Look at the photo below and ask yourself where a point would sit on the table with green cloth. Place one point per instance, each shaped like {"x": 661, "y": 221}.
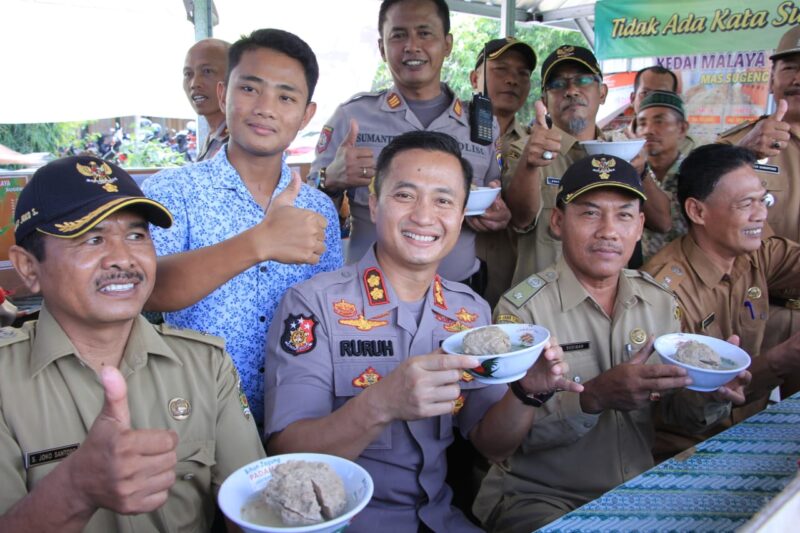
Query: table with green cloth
{"x": 717, "y": 488}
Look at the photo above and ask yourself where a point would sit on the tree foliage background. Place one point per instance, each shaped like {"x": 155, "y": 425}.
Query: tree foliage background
{"x": 469, "y": 35}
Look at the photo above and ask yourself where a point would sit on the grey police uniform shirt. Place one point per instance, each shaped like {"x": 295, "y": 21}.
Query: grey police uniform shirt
{"x": 381, "y": 116}
{"x": 342, "y": 331}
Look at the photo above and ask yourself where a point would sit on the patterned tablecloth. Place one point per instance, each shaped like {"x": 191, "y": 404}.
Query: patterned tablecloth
{"x": 718, "y": 488}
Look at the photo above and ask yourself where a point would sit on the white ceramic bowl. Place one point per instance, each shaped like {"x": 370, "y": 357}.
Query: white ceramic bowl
{"x": 626, "y": 150}
{"x": 480, "y": 199}
{"x": 237, "y": 490}
{"x": 504, "y": 367}
{"x": 703, "y": 379}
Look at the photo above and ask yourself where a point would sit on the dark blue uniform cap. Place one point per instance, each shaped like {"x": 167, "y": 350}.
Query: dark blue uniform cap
{"x": 598, "y": 171}
{"x": 69, "y": 196}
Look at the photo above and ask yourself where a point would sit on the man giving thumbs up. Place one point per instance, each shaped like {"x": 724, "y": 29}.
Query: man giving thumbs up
{"x": 108, "y": 423}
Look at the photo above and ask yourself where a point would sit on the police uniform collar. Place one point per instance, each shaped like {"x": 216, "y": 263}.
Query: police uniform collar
{"x": 517, "y": 129}
{"x": 51, "y": 343}
{"x": 706, "y": 270}
{"x": 572, "y": 293}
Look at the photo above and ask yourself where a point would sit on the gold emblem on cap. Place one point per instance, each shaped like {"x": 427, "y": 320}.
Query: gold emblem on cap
{"x": 179, "y": 408}
{"x": 565, "y": 51}
{"x": 101, "y": 175}
{"x": 754, "y": 293}
{"x": 604, "y": 167}
{"x": 638, "y": 336}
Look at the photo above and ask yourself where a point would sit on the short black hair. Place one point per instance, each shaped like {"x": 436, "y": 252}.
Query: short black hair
{"x": 655, "y": 69}
{"x": 33, "y": 243}
{"x": 442, "y": 10}
{"x": 432, "y": 141}
{"x": 280, "y": 41}
{"x": 702, "y": 169}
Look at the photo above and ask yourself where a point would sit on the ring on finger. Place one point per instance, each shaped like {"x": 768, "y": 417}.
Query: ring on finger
{"x": 547, "y": 155}
{"x": 364, "y": 171}
{"x": 655, "y": 396}
{"x": 776, "y": 144}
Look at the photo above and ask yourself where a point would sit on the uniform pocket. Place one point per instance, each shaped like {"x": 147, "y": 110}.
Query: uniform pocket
{"x": 195, "y": 459}
{"x": 350, "y": 378}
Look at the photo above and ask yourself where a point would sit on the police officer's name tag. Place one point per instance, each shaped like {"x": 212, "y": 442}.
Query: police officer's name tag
{"x": 48, "y": 456}
{"x": 552, "y": 180}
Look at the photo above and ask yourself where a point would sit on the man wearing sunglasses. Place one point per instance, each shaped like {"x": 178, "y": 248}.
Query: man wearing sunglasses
{"x": 572, "y": 91}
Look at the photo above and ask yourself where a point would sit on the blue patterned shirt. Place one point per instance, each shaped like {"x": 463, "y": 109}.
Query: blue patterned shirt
{"x": 210, "y": 204}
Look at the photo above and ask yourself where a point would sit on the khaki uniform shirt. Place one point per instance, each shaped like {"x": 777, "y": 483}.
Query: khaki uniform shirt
{"x": 340, "y": 332}
{"x": 780, "y": 175}
{"x": 653, "y": 241}
{"x": 49, "y": 400}
{"x": 537, "y": 249}
{"x": 382, "y": 116}
{"x": 570, "y": 457}
{"x": 498, "y": 248}
{"x": 215, "y": 140}
{"x": 720, "y": 305}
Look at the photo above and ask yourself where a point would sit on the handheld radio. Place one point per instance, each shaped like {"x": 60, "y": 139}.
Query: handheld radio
{"x": 480, "y": 112}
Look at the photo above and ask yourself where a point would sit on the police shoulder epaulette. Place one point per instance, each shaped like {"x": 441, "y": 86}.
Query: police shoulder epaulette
{"x": 519, "y": 294}
{"x": 739, "y": 127}
{"x": 9, "y": 335}
{"x": 670, "y": 275}
{"x": 359, "y": 96}
{"x": 190, "y": 334}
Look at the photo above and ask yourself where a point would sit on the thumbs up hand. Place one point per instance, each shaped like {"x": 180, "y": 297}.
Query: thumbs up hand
{"x": 770, "y": 135}
{"x": 289, "y": 234}
{"x": 352, "y": 166}
{"x": 544, "y": 143}
{"x": 116, "y": 467}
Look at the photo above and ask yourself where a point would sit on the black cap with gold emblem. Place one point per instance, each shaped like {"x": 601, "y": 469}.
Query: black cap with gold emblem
{"x": 69, "y": 196}
{"x": 576, "y": 54}
{"x": 597, "y": 171}
{"x": 497, "y": 47}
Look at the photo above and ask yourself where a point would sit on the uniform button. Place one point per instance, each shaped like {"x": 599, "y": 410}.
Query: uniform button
{"x": 262, "y": 269}
{"x": 188, "y": 477}
{"x": 262, "y": 318}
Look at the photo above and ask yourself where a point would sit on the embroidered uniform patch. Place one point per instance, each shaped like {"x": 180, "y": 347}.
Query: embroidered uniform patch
{"x": 373, "y": 283}
{"x": 298, "y": 334}
{"x": 344, "y": 308}
{"x": 324, "y": 139}
{"x": 362, "y": 324}
{"x": 368, "y": 377}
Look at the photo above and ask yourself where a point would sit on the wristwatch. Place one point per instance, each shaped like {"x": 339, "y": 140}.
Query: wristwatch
{"x": 534, "y": 400}
{"x": 321, "y": 184}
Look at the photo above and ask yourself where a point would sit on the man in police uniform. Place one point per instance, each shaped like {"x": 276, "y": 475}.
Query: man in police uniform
{"x": 572, "y": 92}
{"x": 582, "y": 445}
{"x": 354, "y": 367}
{"x": 776, "y": 141}
{"x": 81, "y": 388}
{"x": 724, "y": 272}
{"x": 415, "y": 40}
{"x": 508, "y": 83}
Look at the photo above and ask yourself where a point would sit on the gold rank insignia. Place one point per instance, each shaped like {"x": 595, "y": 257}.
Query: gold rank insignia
{"x": 179, "y": 408}
{"x": 376, "y": 290}
{"x": 458, "y": 404}
{"x": 455, "y": 326}
{"x": 754, "y": 293}
{"x": 361, "y": 323}
{"x": 465, "y": 316}
{"x": 368, "y": 377}
{"x": 438, "y": 293}
{"x": 393, "y": 100}
{"x": 638, "y": 336}
{"x": 457, "y": 108}
{"x": 344, "y": 308}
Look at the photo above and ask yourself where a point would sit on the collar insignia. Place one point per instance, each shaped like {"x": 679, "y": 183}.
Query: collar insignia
{"x": 457, "y": 108}
{"x": 393, "y": 100}
{"x": 376, "y": 290}
{"x": 438, "y": 293}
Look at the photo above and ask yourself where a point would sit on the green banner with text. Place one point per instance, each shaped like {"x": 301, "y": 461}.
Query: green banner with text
{"x": 648, "y": 28}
